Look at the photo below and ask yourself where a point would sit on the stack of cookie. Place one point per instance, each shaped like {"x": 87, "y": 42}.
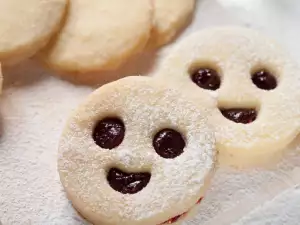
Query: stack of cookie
{"x": 141, "y": 150}
{"x": 80, "y": 36}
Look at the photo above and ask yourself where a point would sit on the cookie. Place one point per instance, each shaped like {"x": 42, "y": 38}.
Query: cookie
{"x": 26, "y": 27}
{"x": 250, "y": 85}
{"x": 136, "y": 153}
{"x": 99, "y": 35}
{"x": 169, "y": 19}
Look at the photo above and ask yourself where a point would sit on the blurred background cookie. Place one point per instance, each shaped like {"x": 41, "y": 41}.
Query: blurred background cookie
{"x": 26, "y": 27}
{"x": 169, "y": 19}
{"x": 99, "y": 35}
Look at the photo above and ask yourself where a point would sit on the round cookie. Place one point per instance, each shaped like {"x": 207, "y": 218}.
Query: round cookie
{"x": 136, "y": 153}
{"x": 26, "y": 27}
{"x": 100, "y": 35}
{"x": 169, "y": 19}
{"x": 251, "y": 87}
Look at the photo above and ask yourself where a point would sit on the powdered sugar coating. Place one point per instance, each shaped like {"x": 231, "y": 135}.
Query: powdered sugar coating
{"x": 235, "y": 53}
{"x": 145, "y": 106}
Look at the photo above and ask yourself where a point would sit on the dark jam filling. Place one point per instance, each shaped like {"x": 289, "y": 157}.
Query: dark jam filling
{"x": 265, "y": 80}
{"x": 109, "y": 133}
{"x": 206, "y": 78}
{"x": 240, "y": 115}
{"x": 168, "y": 143}
{"x": 127, "y": 183}
{"x": 176, "y": 218}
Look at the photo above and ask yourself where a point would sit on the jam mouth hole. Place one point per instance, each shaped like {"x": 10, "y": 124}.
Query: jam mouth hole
{"x": 127, "y": 183}
{"x": 239, "y": 115}
{"x": 264, "y": 79}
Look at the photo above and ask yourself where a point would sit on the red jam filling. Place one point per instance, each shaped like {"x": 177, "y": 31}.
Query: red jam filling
{"x": 176, "y": 218}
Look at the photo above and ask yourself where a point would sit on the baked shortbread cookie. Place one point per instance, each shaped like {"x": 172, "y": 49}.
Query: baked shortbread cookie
{"x": 136, "y": 153}
{"x": 251, "y": 87}
{"x": 169, "y": 19}
{"x": 26, "y": 26}
{"x": 100, "y": 35}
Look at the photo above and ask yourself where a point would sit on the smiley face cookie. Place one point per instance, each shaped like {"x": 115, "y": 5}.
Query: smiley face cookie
{"x": 100, "y": 35}
{"x": 136, "y": 153}
{"x": 169, "y": 19}
{"x": 251, "y": 87}
{"x": 26, "y": 26}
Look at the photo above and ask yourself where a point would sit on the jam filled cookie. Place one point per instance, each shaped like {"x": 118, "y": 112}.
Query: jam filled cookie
{"x": 136, "y": 153}
{"x": 253, "y": 87}
{"x": 100, "y": 35}
{"x": 26, "y": 26}
{"x": 169, "y": 19}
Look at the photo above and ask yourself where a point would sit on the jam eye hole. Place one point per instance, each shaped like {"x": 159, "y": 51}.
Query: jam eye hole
{"x": 168, "y": 143}
{"x": 109, "y": 133}
{"x": 264, "y": 79}
{"x": 206, "y": 78}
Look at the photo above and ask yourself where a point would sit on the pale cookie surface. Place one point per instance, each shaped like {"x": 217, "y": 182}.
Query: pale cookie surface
{"x": 251, "y": 87}
{"x": 100, "y": 35}
{"x": 27, "y": 26}
{"x": 130, "y": 170}
{"x": 169, "y": 18}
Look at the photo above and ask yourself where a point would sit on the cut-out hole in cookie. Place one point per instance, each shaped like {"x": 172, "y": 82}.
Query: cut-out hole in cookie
{"x": 168, "y": 143}
{"x": 127, "y": 183}
{"x": 264, "y": 79}
{"x": 109, "y": 133}
{"x": 240, "y": 115}
{"x": 206, "y": 77}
